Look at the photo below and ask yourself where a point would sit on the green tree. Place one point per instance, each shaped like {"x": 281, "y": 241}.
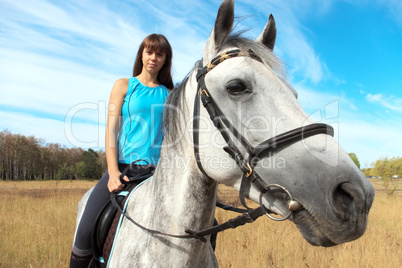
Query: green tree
{"x": 395, "y": 166}
{"x": 92, "y": 167}
{"x": 354, "y": 158}
{"x": 379, "y": 167}
{"x": 387, "y": 167}
{"x": 78, "y": 170}
{"x": 366, "y": 171}
{"x": 65, "y": 172}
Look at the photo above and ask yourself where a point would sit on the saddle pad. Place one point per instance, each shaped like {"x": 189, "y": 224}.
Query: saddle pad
{"x": 102, "y": 225}
{"x": 107, "y": 246}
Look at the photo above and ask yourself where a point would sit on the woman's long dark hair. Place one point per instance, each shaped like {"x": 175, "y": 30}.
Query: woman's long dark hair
{"x": 159, "y": 43}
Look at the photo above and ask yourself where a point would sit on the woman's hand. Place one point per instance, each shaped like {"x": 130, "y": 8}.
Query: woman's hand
{"x": 114, "y": 184}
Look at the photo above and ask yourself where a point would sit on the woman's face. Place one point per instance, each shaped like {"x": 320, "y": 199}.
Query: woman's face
{"x": 153, "y": 61}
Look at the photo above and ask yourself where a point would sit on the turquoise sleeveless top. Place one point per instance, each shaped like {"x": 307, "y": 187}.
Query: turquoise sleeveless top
{"x": 141, "y": 132}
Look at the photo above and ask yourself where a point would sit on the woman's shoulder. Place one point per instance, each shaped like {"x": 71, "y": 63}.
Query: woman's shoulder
{"x": 121, "y": 84}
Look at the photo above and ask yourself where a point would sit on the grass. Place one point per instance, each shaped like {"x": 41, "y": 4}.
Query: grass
{"x": 37, "y": 221}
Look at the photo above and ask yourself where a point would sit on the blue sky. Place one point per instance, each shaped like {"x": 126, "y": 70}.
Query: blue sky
{"x": 59, "y": 60}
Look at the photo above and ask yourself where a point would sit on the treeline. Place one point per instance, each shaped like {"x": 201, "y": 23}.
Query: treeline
{"x": 386, "y": 168}
{"x": 30, "y": 158}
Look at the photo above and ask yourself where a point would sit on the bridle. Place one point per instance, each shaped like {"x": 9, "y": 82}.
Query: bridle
{"x": 247, "y": 162}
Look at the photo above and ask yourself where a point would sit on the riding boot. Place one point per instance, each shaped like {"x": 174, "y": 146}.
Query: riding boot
{"x": 79, "y": 261}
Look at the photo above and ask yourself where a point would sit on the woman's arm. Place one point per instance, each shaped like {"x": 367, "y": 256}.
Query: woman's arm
{"x": 116, "y": 100}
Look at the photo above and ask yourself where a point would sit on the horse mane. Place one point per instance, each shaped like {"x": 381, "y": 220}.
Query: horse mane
{"x": 175, "y": 102}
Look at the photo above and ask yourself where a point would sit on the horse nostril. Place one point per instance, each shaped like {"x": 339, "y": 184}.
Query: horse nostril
{"x": 348, "y": 200}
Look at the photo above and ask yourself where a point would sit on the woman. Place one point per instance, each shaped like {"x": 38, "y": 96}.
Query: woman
{"x": 139, "y": 102}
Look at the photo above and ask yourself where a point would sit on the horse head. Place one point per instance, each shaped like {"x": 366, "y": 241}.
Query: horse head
{"x": 252, "y": 134}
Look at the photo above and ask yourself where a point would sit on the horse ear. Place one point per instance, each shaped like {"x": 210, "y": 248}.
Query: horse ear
{"x": 223, "y": 27}
{"x": 268, "y": 35}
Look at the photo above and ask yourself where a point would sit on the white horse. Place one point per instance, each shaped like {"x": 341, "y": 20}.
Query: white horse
{"x": 262, "y": 144}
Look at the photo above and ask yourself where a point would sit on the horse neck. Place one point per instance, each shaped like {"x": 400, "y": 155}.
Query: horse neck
{"x": 178, "y": 195}
{"x": 175, "y": 199}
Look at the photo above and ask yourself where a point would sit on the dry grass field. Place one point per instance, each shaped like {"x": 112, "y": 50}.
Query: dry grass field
{"x": 37, "y": 222}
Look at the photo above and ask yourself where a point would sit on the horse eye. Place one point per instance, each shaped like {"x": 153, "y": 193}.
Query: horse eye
{"x": 236, "y": 88}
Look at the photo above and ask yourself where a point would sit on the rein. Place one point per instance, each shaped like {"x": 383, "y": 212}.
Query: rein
{"x": 246, "y": 217}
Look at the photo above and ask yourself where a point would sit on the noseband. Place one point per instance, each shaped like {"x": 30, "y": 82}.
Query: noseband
{"x": 246, "y": 163}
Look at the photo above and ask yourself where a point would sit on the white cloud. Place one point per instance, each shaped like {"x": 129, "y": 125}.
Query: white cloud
{"x": 54, "y": 131}
{"x": 390, "y": 102}
{"x": 40, "y": 83}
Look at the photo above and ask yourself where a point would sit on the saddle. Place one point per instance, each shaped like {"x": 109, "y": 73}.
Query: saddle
{"x": 104, "y": 229}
